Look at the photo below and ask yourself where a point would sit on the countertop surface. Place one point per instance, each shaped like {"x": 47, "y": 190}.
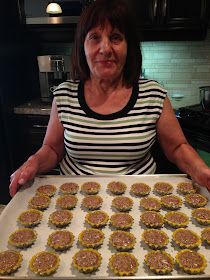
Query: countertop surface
{"x": 34, "y": 107}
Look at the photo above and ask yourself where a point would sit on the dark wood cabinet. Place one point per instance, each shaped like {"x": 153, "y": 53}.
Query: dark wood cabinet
{"x": 32, "y": 129}
{"x": 170, "y": 19}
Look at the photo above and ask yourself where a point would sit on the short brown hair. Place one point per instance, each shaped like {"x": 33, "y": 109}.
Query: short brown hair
{"x": 117, "y": 14}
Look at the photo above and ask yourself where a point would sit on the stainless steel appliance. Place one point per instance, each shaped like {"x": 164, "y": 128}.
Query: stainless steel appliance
{"x": 205, "y": 98}
{"x": 53, "y": 70}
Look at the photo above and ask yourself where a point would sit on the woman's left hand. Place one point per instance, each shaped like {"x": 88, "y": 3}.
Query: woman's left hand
{"x": 202, "y": 176}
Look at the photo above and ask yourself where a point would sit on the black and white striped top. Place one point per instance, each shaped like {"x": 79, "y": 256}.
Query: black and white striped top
{"x": 117, "y": 143}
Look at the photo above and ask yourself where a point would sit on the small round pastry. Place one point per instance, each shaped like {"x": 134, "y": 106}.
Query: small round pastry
{"x": 90, "y": 187}
{"x": 97, "y": 218}
{"x": 40, "y": 202}
{"x": 67, "y": 201}
{"x": 123, "y": 264}
{"x": 48, "y": 190}
{"x": 44, "y": 263}
{"x": 121, "y": 220}
{"x": 155, "y": 238}
{"x": 205, "y": 235}
{"x": 122, "y": 240}
{"x": 190, "y": 261}
{"x": 69, "y": 188}
{"x": 60, "y": 218}
{"x": 30, "y": 218}
{"x": 186, "y": 187}
{"x": 159, "y": 261}
{"x": 91, "y": 238}
{"x": 140, "y": 189}
{"x": 176, "y": 219}
{"x": 186, "y": 238}
{"x": 150, "y": 203}
{"x": 22, "y": 238}
{"x": 117, "y": 187}
{"x": 60, "y": 240}
{"x": 87, "y": 260}
{"x": 171, "y": 201}
{"x": 202, "y": 215}
{"x": 152, "y": 219}
{"x": 122, "y": 203}
{"x": 163, "y": 188}
{"x": 10, "y": 261}
{"x": 92, "y": 202}
{"x": 196, "y": 200}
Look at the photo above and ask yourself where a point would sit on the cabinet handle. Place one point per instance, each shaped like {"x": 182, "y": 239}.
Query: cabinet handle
{"x": 164, "y": 7}
{"x": 39, "y": 126}
{"x": 155, "y": 8}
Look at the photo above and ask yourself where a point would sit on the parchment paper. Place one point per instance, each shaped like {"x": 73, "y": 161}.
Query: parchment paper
{"x": 8, "y": 224}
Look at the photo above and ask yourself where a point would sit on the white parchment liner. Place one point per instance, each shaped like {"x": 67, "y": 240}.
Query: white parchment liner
{"x": 8, "y": 224}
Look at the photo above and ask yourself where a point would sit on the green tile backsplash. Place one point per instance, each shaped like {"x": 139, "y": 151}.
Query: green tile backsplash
{"x": 181, "y": 67}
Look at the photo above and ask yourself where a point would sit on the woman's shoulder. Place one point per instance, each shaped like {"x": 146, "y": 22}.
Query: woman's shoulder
{"x": 150, "y": 84}
{"x": 68, "y": 85}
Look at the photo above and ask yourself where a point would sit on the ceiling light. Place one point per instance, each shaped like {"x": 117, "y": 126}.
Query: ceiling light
{"x": 53, "y": 8}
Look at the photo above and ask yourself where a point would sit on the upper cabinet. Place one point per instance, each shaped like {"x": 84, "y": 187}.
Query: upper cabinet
{"x": 155, "y": 19}
{"x": 171, "y": 19}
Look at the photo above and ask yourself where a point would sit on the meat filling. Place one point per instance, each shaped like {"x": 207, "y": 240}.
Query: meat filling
{"x": 44, "y": 261}
{"x": 30, "y": 217}
{"x": 121, "y": 220}
{"x": 158, "y": 260}
{"x": 86, "y": 258}
{"x": 190, "y": 259}
{"x": 122, "y": 202}
{"x": 61, "y": 216}
{"x": 92, "y": 201}
{"x": 186, "y": 237}
{"x": 91, "y": 236}
{"x": 23, "y": 235}
{"x": 122, "y": 239}
{"x": 60, "y": 238}
{"x": 203, "y": 214}
{"x": 8, "y": 260}
{"x": 124, "y": 263}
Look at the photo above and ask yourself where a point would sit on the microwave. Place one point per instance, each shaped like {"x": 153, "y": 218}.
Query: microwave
{"x": 35, "y": 12}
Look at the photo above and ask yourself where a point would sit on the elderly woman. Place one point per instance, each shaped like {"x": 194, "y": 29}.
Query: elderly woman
{"x": 105, "y": 120}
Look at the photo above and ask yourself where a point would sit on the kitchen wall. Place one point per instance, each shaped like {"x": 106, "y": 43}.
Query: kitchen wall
{"x": 181, "y": 67}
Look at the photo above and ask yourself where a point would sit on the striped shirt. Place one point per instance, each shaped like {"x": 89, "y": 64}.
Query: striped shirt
{"x": 118, "y": 143}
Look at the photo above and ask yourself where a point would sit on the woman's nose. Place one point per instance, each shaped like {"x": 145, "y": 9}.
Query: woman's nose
{"x": 105, "y": 45}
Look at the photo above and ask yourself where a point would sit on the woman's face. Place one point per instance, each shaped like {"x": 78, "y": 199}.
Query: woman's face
{"x": 105, "y": 50}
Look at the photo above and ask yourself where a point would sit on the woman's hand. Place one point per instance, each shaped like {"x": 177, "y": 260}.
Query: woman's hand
{"x": 202, "y": 176}
{"x": 23, "y": 174}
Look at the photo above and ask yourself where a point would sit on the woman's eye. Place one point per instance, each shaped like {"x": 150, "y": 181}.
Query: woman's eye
{"x": 116, "y": 37}
{"x": 94, "y": 37}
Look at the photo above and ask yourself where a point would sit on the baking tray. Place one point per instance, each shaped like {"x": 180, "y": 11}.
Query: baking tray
{"x": 19, "y": 203}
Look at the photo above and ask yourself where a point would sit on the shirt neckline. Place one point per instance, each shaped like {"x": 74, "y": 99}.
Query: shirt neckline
{"x": 90, "y": 113}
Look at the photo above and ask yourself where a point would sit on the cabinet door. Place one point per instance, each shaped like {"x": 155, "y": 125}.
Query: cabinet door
{"x": 182, "y": 13}
{"x": 145, "y": 11}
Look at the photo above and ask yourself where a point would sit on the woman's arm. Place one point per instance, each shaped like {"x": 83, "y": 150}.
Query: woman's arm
{"x": 47, "y": 157}
{"x": 177, "y": 149}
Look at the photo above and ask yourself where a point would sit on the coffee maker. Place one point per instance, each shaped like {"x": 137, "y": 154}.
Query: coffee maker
{"x": 53, "y": 70}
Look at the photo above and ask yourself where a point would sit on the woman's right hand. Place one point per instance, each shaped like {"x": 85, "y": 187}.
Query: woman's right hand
{"x": 23, "y": 174}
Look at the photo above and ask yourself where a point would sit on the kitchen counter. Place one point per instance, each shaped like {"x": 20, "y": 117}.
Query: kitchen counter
{"x": 34, "y": 107}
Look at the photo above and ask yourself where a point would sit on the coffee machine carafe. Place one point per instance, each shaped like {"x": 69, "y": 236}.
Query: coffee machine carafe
{"x": 53, "y": 70}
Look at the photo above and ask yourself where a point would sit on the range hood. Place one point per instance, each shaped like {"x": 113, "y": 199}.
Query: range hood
{"x": 52, "y": 20}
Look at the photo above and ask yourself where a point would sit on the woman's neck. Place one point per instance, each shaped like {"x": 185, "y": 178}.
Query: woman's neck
{"x": 105, "y": 87}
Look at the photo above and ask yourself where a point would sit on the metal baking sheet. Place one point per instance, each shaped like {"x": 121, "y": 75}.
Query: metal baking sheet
{"x": 8, "y": 224}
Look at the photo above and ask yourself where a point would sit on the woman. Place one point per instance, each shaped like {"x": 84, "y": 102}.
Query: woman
{"x": 105, "y": 120}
